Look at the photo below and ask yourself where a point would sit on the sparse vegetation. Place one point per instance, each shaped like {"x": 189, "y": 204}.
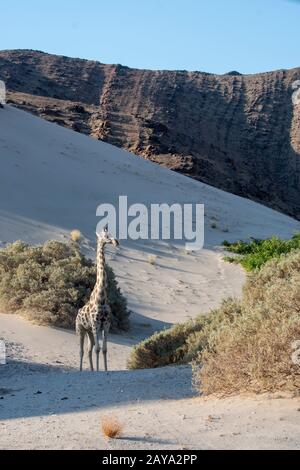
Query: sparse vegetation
{"x": 49, "y": 283}
{"x": 75, "y": 235}
{"x": 111, "y": 427}
{"x": 152, "y": 259}
{"x": 256, "y": 253}
{"x": 244, "y": 345}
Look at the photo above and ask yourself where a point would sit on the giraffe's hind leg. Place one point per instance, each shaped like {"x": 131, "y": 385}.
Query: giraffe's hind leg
{"x": 90, "y": 349}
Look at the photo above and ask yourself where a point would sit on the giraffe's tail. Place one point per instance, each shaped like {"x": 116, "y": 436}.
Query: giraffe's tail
{"x": 79, "y": 327}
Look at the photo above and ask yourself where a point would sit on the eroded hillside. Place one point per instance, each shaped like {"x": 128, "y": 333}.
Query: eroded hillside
{"x": 238, "y": 133}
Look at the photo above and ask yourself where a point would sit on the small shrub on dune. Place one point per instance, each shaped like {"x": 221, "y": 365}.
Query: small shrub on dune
{"x": 152, "y": 259}
{"x": 75, "y": 236}
{"x": 49, "y": 283}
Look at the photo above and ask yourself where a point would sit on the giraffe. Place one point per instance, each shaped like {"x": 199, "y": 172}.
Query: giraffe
{"x": 95, "y": 316}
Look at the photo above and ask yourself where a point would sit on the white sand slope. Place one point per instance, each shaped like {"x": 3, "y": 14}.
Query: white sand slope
{"x": 51, "y": 181}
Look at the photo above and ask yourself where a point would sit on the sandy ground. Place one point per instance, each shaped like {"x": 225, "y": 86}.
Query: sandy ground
{"x": 45, "y": 408}
{"x": 51, "y": 181}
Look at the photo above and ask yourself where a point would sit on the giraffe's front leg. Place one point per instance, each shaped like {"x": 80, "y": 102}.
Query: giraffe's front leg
{"x": 97, "y": 346}
{"x": 90, "y": 350}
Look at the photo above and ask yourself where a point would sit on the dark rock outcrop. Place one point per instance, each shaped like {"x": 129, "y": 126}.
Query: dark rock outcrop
{"x": 238, "y": 133}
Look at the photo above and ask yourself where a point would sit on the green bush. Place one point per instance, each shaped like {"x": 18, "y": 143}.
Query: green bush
{"x": 245, "y": 345}
{"x": 49, "y": 283}
{"x": 256, "y": 253}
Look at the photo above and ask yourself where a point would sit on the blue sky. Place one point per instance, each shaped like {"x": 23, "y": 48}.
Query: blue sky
{"x": 211, "y": 36}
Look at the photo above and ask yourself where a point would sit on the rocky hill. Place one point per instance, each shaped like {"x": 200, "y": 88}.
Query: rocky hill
{"x": 236, "y": 132}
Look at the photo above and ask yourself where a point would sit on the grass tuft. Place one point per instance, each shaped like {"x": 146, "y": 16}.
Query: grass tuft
{"x": 152, "y": 259}
{"x": 75, "y": 236}
{"x": 111, "y": 427}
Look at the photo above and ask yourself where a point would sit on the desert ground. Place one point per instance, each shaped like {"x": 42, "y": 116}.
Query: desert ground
{"x": 51, "y": 181}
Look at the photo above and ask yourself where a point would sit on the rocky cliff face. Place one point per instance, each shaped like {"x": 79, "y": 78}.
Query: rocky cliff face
{"x": 239, "y": 133}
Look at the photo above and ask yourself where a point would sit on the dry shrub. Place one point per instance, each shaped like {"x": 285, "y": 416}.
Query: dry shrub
{"x": 253, "y": 353}
{"x": 165, "y": 347}
{"x": 49, "y": 283}
{"x": 182, "y": 342}
{"x": 111, "y": 427}
{"x": 244, "y": 345}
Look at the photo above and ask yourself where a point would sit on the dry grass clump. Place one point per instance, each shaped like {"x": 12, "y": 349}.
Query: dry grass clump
{"x": 75, "y": 236}
{"x": 49, "y": 283}
{"x": 111, "y": 427}
{"x": 152, "y": 259}
{"x": 244, "y": 345}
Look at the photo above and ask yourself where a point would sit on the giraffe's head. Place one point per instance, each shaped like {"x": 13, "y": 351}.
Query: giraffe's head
{"x": 105, "y": 238}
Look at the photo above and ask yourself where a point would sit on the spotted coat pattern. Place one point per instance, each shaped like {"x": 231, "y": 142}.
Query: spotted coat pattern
{"x": 94, "y": 319}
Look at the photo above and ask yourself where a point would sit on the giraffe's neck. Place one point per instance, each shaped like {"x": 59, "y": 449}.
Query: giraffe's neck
{"x": 99, "y": 293}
